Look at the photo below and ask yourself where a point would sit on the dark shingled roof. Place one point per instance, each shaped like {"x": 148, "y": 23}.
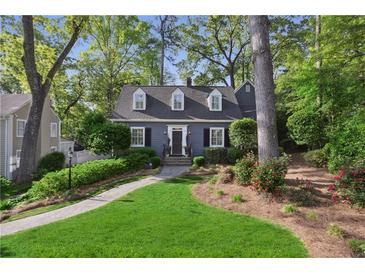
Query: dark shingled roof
{"x": 159, "y": 107}
{"x": 10, "y": 103}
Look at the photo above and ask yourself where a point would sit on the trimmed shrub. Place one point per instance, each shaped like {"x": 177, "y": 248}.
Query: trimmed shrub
{"x": 269, "y": 177}
{"x": 349, "y": 187}
{"x": 143, "y": 150}
{"x": 217, "y": 155}
{"x": 198, "y": 161}
{"x": 5, "y": 187}
{"x": 87, "y": 173}
{"x": 234, "y": 154}
{"x": 244, "y": 168}
{"x": 316, "y": 158}
{"x": 155, "y": 161}
{"x": 243, "y": 134}
{"x": 237, "y": 198}
{"x": 51, "y": 162}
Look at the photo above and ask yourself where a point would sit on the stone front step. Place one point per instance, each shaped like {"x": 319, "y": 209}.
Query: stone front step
{"x": 177, "y": 161}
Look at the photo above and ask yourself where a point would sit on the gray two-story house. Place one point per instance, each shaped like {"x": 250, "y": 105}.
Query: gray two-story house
{"x": 183, "y": 120}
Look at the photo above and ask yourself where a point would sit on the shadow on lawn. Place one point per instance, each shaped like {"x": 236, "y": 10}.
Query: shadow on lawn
{"x": 5, "y": 252}
{"x": 185, "y": 180}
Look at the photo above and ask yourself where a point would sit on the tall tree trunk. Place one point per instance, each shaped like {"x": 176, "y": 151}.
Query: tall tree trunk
{"x": 264, "y": 83}
{"x": 231, "y": 76}
{"x": 39, "y": 93}
{"x": 162, "y": 64}
{"x": 317, "y": 46}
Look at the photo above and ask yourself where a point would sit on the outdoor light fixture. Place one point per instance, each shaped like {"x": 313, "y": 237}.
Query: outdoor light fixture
{"x": 189, "y": 133}
{"x": 70, "y": 154}
{"x": 164, "y": 133}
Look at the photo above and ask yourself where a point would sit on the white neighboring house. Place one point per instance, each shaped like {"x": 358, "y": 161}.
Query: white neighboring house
{"x": 14, "y": 109}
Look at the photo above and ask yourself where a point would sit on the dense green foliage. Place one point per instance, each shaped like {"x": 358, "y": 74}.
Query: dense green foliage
{"x": 54, "y": 183}
{"x": 5, "y": 186}
{"x": 109, "y": 136}
{"x": 357, "y": 247}
{"x": 155, "y": 161}
{"x": 143, "y": 150}
{"x": 243, "y": 134}
{"x": 316, "y": 158}
{"x": 321, "y": 89}
{"x": 198, "y": 161}
{"x": 233, "y": 154}
{"x": 216, "y": 155}
{"x": 244, "y": 168}
{"x": 50, "y": 162}
{"x": 87, "y": 125}
{"x": 143, "y": 219}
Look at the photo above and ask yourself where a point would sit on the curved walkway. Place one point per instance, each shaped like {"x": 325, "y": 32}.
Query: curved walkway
{"x": 88, "y": 204}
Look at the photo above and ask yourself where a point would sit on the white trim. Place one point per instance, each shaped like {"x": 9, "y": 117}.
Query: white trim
{"x": 247, "y": 81}
{"x": 16, "y": 129}
{"x": 173, "y": 120}
{"x": 53, "y": 147}
{"x": 139, "y": 91}
{"x": 177, "y": 92}
{"x": 57, "y": 131}
{"x": 210, "y": 136}
{"x": 217, "y": 93}
{"x": 10, "y": 145}
{"x": 184, "y": 129}
{"x": 144, "y": 136}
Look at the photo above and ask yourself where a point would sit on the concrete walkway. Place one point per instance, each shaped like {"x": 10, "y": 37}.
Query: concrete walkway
{"x": 89, "y": 204}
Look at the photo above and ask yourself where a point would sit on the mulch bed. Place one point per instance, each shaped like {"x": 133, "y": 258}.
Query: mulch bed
{"x": 311, "y": 232}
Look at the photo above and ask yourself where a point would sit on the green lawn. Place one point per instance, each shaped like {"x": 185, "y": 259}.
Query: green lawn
{"x": 161, "y": 220}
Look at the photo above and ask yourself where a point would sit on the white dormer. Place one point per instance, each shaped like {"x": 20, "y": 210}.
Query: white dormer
{"x": 215, "y": 101}
{"x": 139, "y": 100}
{"x": 177, "y": 100}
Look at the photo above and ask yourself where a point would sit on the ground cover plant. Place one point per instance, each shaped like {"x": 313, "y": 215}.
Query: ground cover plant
{"x": 161, "y": 220}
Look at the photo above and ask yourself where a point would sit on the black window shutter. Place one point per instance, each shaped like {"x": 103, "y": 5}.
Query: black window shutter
{"x": 206, "y": 137}
{"x": 226, "y": 138}
{"x": 147, "y": 137}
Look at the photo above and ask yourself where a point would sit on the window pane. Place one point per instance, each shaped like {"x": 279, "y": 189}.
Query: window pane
{"x": 139, "y": 101}
{"x": 20, "y": 128}
{"x": 178, "y": 101}
{"x": 217, "y": 137}
{"x": 215, "y": 102}
{"x": 137, "y": 137}
{"x": 53, "y": 129}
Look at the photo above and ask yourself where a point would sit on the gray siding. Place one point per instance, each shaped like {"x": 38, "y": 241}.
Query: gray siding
{"x": 158, "y": 138}
{"x": 246, "y": 100}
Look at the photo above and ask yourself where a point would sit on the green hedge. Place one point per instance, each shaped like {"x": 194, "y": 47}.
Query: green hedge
{"x": 155, "y": 161}
{"x": 144, "y": 150}
{"x": 198, "y": 161}
{"x": 5, "y": 186}
{"x": 50, "y": 162}
{"x": 216, "y": 155}
{"x": 316, "y": 158}
{"x": 234, "y": 154}
{"x": 87, "y": 173}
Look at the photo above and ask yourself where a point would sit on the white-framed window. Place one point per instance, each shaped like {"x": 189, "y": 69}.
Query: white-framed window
{"x": 139, "y": 100}
{"x": 17, "y": 157}
{"x": 177, "y": 100}
{"x": 20, "y": 127}
{"x": 216, "y": 137}
{"x": 215, "y": 101}
{"x": 53, "y": 149}
{"x": 248, "y": 88}
{"x": 54, "y": 129}
{"x": 137, "y": 136}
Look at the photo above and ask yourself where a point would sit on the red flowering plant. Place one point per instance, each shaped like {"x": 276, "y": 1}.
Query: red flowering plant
{"x": 269, "y": 176}
{"x": 349, "y": 187}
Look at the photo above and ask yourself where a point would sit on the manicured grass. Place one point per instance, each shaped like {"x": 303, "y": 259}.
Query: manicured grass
{"x": 161, "y": 220}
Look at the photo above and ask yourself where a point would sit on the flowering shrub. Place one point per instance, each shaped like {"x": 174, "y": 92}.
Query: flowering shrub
{"x": 349, "y": 187}
{"x": 269, "y": 177}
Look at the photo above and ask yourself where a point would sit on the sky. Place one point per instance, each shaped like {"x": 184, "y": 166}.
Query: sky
{"x": 181, "y": 54}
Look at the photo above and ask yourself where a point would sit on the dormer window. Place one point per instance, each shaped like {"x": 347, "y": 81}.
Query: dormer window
{"x": 215, "y": 101}
{"x": 139, "y": 100}
{"x": 248, "y": 88}
{"x": 177, "y": 100}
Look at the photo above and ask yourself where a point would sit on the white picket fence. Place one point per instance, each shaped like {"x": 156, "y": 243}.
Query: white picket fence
{"x": 79, "y": 156}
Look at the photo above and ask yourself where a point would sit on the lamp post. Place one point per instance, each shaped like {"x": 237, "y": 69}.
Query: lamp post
{"x": 70, "y": 154}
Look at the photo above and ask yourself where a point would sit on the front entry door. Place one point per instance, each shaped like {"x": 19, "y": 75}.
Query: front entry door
{"x": 177, "y": 143}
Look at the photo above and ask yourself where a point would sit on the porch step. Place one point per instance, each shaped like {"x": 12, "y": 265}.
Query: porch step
{"x": 177, "y": 161}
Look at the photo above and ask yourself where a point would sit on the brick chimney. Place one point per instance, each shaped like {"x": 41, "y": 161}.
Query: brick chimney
{"x": 188, "y": 82}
